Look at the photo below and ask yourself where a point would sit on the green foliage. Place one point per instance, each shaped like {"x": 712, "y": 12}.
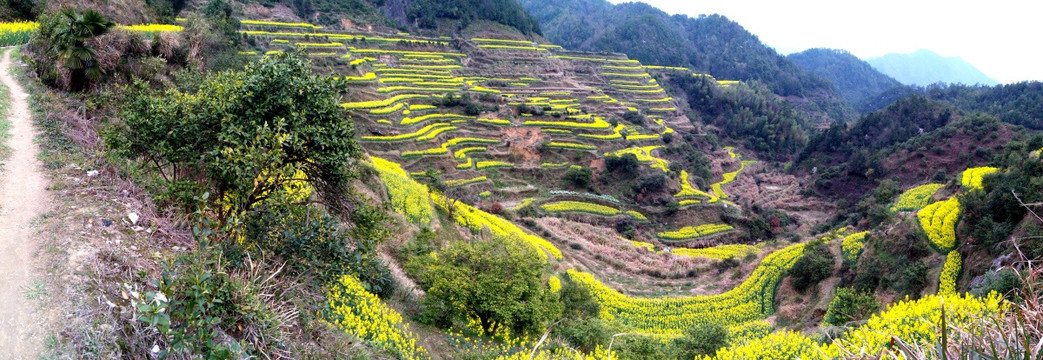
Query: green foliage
{"x": 584, "y": 334}
{"x": 850, "y": 305}
{"x": 684, "y": 156}
{"x": 635, "y": 118}
{"x": 815, "y": 265}
{"x": 62, "y": 39}
{"x": 166, "y": 9}
{"x": 580, "y": 177}
{"x": 19, "y": 9}
{"x": 206, "y": 301}
{"x": 751, "y": 113}
{"x": 894, "y": 262}
{"x": 625, "y": 165}
{"x": 993, "y": 214}
{"x": 311, "y": 243}
{"x": 219, "y": 13}
{"x": 1016, "y": 103}
{"x": 329, "y": 12}
{"x": 580, "y": 325}
{"x": 250, "y": 132}
{"x": 1004, "y": 282}
{"x": 499, "y": 282}
{"x": 577, "y": 301}
{"x": 426, "y": 13}
{"x": 639, "y": 347}
{"x": 701, "y": 340}
{"x": 651, "y": 184}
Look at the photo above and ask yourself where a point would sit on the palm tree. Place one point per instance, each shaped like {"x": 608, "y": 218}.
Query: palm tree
{"x": 68, "y": 42}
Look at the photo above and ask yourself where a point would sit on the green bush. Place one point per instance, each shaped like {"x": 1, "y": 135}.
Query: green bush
{"x": 311, "y": 242}
{"x": 1002, "y": 282}
{"x": 62, "y": 43}
{"x": 211, "y": 312}
{"x": 625, "y": 165}
{"x": 815, "y": 265}
{"x": 584, "y": 334}
{"x": 850, "y": 305}
{"x": 578, "y": 176}
{"x": 701, "y": 340}
{"x": 640, "y": 347}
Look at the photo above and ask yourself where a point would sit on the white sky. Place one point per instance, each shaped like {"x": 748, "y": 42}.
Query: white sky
{"x": 1002, "y": 38}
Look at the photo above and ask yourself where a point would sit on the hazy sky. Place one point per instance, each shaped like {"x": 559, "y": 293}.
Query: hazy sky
{"x": 1002, "y": 38}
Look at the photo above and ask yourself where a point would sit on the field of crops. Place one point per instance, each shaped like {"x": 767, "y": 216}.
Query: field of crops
{"x": 939, "y": 222}
{"x": 719, "y": 252}
{"x": 752, "y": 300}
{"x": 916, "y": 198}
{"x": 972, "y": 177}
{"x": 851, "y": 246}
{"x": 363, "y": 315}
{"x": 693, "y": 232}
{"x": 914, "y": 322}
{"x": 950, "y": 273}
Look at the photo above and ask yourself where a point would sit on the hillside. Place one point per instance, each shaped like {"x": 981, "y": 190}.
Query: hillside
{"x": 234, "y": 186}
{"x": 1020, "y": 103}
{"x": 712, "y": 44}
{"x": 854, "y": 80}
{"x": 902, "y": 142}
{"x": 924, "y": 67}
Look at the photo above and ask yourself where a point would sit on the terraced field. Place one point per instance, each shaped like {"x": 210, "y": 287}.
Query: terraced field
{"x": 496, "y": 123}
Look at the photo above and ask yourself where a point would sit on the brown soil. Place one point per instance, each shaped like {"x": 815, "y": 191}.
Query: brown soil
{"x": 23, "y": 197}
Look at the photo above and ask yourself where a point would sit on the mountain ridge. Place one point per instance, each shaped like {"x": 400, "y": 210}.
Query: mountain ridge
{"x": 924, "y": 67}
{"x": 855, "y": 80}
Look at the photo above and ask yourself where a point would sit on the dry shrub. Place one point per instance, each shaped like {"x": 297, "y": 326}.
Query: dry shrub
{"x": 116, "y": 46}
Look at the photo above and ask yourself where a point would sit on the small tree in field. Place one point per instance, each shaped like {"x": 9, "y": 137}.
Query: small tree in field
{"x": 499, "y": 282}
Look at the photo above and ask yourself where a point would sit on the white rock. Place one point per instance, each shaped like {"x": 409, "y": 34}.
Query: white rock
{"x": 92, "y": 173}
{"x": 133, "y": 218}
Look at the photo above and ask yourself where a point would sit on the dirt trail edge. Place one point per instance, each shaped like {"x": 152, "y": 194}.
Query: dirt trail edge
{"x": 23, "y": 197}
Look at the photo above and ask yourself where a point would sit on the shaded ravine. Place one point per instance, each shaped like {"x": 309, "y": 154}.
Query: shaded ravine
{"x": 23, "y": 197}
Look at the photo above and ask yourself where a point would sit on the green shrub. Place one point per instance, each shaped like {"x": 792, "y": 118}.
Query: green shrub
{"x": 578, "y": 176}
{"x": 701, "y": 340}
{"x": 850, "y": 305}
{"x": 311, "y": 243}
{"x": 815, "y": 265}
{"x": 625, "y": 165}
{"x": 205, "y": 301}
{"x": 1002, "y": 282}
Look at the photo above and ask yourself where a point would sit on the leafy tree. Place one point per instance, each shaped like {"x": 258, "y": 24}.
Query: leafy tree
{"x": 500, "y": 282}
{"x": 701, "y": 340}
{"x": 579, "y": 177}
{"x": 850, "y": 305}
{"x": 750, "y": 112}
{"x": 625, "y": 165}
{"x": 815, "y": 265}
{"x": 250, "y": 133}
{"x": 634, "y": 117}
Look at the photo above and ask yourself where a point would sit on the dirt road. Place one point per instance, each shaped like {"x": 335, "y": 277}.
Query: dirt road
{"x": 23, "y": 197}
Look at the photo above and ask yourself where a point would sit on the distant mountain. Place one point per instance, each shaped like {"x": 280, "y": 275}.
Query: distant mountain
{"x": 924, "y": 67}
{"x": 711, "y": 43}
{"x": 854, "y": 80}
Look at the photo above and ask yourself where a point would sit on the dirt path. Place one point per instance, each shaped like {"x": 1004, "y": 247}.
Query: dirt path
{"x": 23, "y": 197}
